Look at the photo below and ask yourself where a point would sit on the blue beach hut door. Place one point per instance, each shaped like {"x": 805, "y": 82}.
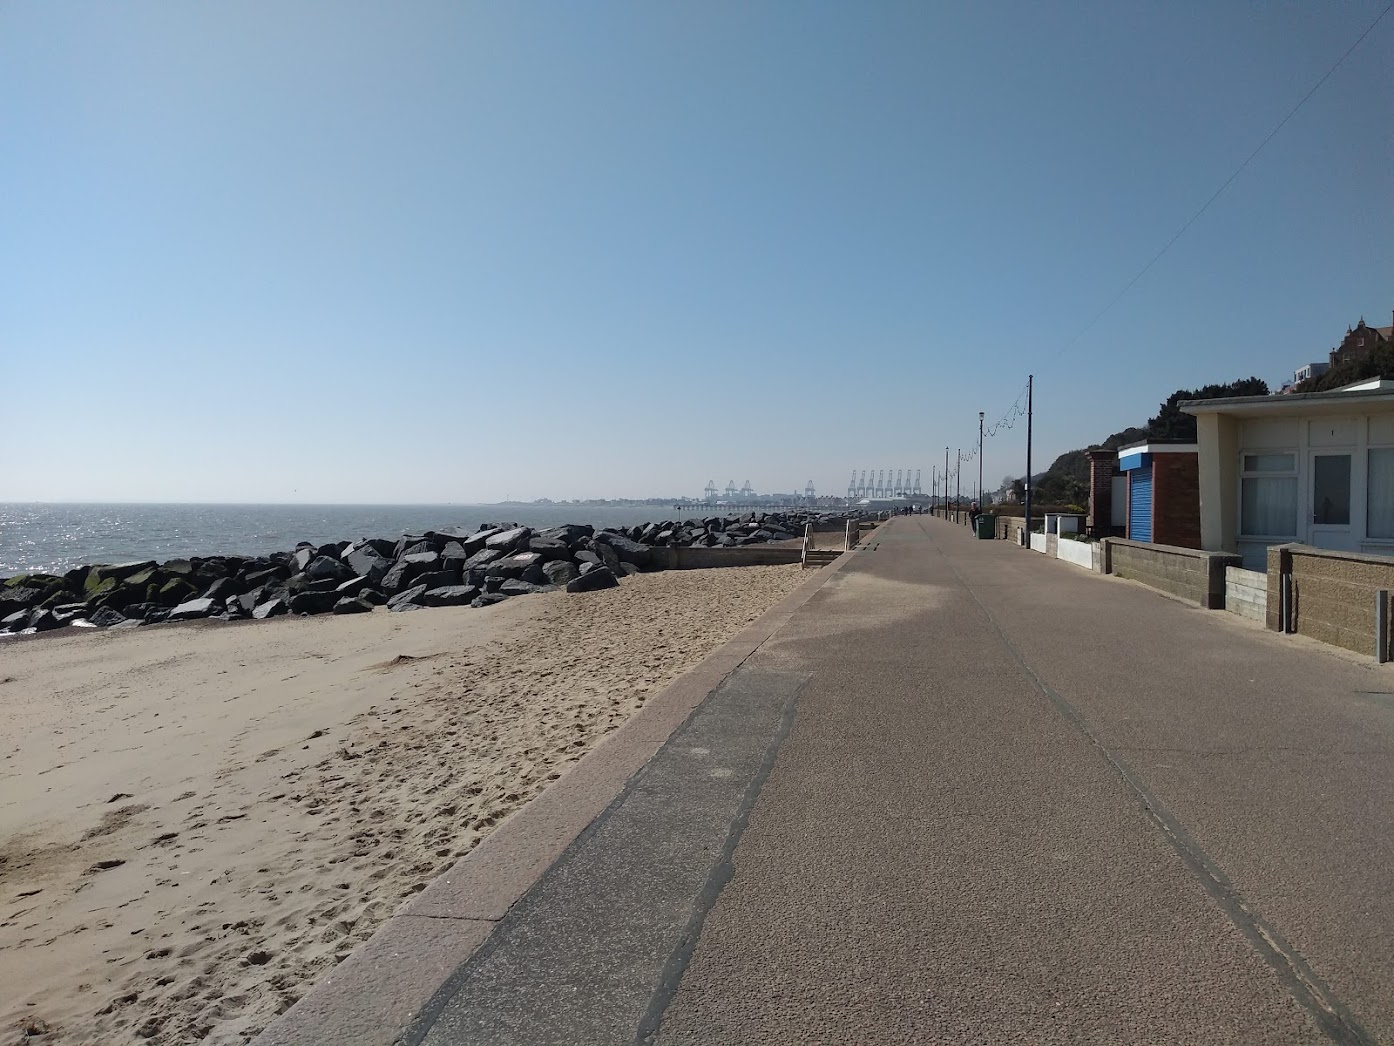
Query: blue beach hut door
{"x": 1140, "y": 504}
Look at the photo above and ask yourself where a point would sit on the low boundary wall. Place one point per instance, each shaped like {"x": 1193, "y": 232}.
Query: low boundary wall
{"x": 1332, "y": 597}
{"x": 1009, "y": 528}
{"x": 1186, "y": 572}
{"x": 1080, "y": 553}
{"x": 1246, "y": 593}
{"x": 700, "y": 557}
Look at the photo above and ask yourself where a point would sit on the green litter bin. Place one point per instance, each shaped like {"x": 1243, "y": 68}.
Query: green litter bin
{"x": 987, "y": 527}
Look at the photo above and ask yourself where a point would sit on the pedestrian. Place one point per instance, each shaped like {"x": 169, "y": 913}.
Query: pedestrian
{"x": 973, "y": 517}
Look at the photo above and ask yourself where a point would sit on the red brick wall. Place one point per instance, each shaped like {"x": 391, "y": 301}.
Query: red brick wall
{"x": 1176, "y": 500}
{"x": 1103, "y": 465}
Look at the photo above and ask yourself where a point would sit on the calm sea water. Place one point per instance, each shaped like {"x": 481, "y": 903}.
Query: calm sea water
{"x": 55, "y": 538}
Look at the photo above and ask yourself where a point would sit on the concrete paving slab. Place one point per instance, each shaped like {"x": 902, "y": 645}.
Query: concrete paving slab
{"x": 580, "y": 957}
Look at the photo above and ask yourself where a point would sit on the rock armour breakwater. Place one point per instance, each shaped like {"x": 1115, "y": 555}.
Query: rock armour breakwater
{"x": 414, "y": 572}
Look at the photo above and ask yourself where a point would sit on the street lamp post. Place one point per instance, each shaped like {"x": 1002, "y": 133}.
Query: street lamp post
{"x": 946, "y": 482}
{"x": 980, "y": 459}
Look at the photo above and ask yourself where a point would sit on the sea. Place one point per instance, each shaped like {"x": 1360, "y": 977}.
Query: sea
{"x": 53, "y": 538}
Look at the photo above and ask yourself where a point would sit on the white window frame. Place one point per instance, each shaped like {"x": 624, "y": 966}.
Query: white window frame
{"x": 1293, "y": 474}
{"x": 1368, "y": 538}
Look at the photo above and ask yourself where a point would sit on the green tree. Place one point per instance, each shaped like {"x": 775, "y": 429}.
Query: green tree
{"x": 1173, "y": 425}
{"x": 1379, "y": 364}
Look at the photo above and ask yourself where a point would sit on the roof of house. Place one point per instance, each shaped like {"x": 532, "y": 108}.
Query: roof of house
{"x": 1372, "y": 393}
{"x": 1157, "y": 447}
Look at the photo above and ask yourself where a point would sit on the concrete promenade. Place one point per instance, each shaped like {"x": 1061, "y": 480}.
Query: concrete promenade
{"x": 968, "y": 794}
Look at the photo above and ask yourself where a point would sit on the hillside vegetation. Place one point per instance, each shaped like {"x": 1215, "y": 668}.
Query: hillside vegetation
{"x": 1066, "y": 482}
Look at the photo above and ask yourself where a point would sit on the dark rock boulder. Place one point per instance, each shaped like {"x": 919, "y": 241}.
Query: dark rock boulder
{"x": 513, "y": 566}
{"x": 334, "y": 550}
{"x": 593, "y": 580}
{"x": 627, "y": 550}
{"x": 482, "y": 558}
{"x": 303, "y": 583}
{"x": 301, "y": 558}
{"x": 41, "y": 620}
{"x": 365, "y": 561}
{"x": 454, "y": 550}
{"x": 439, "y": 578}
{"x": 535, "y": 575}
{"x": 60, "y": 597}
{"x": 508, "y": 540}
{"x": 629, "y": 569}
{"x": 308, "y": 601}
{"x": 274, "y": 607}
{"x": 193, "y": 608}
{"x": 549, "y": 548}
{"x": 402, "y": 573}
{"x": 401, "y": 608}
{"x": 587, "y": 556}
{"x": 269, "y": 575}
{"x": 560, "y": 572}
{"x": 353, "y": 605}
{"x": 409, "y": 595}
{"x": 323, "y": 568}
{"x": 373, "y": 596}
{"x": 15, "y": 620}
{"x": 488, "y": 599}
{"x": 175, "y": 591}
{"x": 352, "y": 586}
{"x": 105, "y": 617}
{"x": 20, "y": 598}
{"x": 517, "y": 587}
{"x": 418, "y": 548}
{"x": 221, "y": 591}
{"x": 449, "y": 596}
{"x": 571, "y": 534}
{"x": 608, "y": 556}
{"x": 475, "y": 542}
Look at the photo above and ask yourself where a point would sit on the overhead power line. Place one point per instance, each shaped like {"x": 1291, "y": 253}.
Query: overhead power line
{"x": 1220, "y": 191}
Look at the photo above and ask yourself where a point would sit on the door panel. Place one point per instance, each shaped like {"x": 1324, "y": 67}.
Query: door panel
{"x": 1330, "y": 503}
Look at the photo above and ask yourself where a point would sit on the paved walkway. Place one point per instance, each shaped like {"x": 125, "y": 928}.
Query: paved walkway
{"x": 968, "y": 794}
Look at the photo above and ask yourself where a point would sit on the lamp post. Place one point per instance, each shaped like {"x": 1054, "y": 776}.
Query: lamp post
{"x": 980, "y": 459}
{"x": 946, "y": 482}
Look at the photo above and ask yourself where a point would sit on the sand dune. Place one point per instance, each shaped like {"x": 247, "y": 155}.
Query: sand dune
{"x": 198, "y": 821}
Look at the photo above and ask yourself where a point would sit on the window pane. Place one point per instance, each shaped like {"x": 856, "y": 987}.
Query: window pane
{"x": 1268, "y": 507}
{"x": 1331, "y": 489}
{"x": 1380, "y": 498}
{"x": 1269, "y": 463}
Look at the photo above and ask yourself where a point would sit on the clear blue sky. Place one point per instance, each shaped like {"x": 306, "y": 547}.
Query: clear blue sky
{"x": 429, "y": 252}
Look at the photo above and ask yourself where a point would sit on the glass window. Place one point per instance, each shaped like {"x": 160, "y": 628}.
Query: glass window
{"x": 1380, "y": 496}
{"x": 1270, "y": 463}
{"x": 1331, "y": 489}
{"x": 1268, "y": 506}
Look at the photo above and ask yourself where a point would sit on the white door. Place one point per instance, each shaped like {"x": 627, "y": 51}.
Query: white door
{"x": 1329, "y": 507}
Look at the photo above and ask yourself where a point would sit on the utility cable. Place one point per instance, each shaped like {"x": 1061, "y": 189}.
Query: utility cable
{"x": 1218, "y": 192}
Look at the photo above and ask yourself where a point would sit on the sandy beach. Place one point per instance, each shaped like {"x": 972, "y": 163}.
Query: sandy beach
{"x": 198, "y": 821}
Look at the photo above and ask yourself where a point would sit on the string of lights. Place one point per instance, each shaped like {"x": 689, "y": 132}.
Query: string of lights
{"x": 1017, "y": 410}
